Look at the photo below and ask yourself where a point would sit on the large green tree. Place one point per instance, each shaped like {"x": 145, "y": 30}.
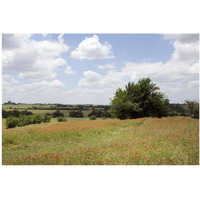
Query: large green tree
{"x": 142, "y": 99}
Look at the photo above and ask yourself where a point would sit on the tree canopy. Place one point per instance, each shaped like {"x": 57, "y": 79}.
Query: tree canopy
{"x": 142, "y": 99}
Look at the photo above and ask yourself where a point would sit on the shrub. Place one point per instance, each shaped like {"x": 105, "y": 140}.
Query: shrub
{"x": 23, "y": 120}
{"x": 61, "y": 119}
{"x": 47, "y": 117}
{"x": 77, "y": 114}
{"x": 97, "y": 113}
{"x": 92, "y": 117}
{"x": 57, "y": 113}
{"x": 11, "y": 122}
{"x": 15, "y": 113}
{"x": 36, "y": 119}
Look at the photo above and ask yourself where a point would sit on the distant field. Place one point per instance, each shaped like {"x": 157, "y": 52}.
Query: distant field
{"x": 38, "y": 111}
{"x": 145, "y": 141}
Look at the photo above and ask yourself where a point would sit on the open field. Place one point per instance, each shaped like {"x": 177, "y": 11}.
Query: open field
{"x": 145, "y": 141}
{"x": 43, "y": 112}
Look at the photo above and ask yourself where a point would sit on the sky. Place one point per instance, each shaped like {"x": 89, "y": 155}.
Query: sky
{"x": 88, "y": 68}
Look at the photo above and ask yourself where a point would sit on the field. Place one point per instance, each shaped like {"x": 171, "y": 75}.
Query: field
{"x": 41, "y": 109}
{"x": 145, "y": 141}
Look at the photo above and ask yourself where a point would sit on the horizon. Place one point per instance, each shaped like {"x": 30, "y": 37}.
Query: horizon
{"x": 89, "y": 68}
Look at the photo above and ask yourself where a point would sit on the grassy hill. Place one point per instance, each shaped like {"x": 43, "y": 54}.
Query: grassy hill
{"x": 145, "y": 141}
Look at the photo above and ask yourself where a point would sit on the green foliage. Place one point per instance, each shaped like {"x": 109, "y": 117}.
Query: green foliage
{"x": 23, "y": 120}
{"x": 192, "y": 109}
{"x": 176, "y": 110}
{"x": 77, "y": 114}
{"x": 92, "y": 117}
{"x": 11, "y": 122}
{"x": 57, "y": 113}
{"x": 36, "y": 119}
{"x": 142, "y": 99}
{"x": 15, "y": 113}
{"x": 47, "y": 117}
{"x": 61, "y": 119}
{"x": 99, "y": 113}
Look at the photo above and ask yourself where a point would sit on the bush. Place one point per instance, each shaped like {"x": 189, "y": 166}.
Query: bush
{"x": 47, "y": 117}
{"x": 15, "y": 113}
{"x": 61, "y": 119}
{"x": 93, "y": 117}
{"x": 36, "y": 119}
{"x": 76, "y": 114}
{"x": 11, "y": 122}
{"x": 23, "y": 120}
{"x": 57, "y": 113}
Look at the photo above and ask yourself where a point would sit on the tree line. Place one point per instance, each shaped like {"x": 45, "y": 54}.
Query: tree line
{"x": 142, "y": 99}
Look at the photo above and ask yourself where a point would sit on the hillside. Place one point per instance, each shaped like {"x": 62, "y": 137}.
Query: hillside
{"x": 144, "y": 141}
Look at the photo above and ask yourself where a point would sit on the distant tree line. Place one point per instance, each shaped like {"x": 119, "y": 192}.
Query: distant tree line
{"x": 15, "y": 113}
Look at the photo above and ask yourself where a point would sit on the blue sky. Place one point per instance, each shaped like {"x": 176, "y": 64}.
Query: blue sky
{"x": 88, "y": 68}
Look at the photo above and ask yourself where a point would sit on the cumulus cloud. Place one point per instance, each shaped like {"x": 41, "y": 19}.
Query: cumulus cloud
{"x": 38, "y": 91}
{"x": 90, "y": 79}
{"x": 178, "y": 78}
{"x": 34, "y": 60}
{"x": 107, "y": 66}
{"x": 112, "y": 79}
{"x": 68, "y": 70}
{"x": 12, "y": 41}
{"x": 91, "y": 49}
{"x": 183, "y": 38}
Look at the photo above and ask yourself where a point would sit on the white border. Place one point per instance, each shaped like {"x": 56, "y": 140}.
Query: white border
{"x": 96, "y": 182}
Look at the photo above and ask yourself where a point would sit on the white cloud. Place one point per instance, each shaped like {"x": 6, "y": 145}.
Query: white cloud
{"x": 60, "y": 39}
{"x": 12, "y": 41}
{"x": 193, "y": 84}
{"x": 9, "y": 80}
{"x": 68, "y": 70}
{"x": 91, "y": 79}
{"x": 91, "y": 49}
{"x": 107, "y": 66}
{"x": 186, "y": 52}
{"x": 34, "y": 60}
{"x": 41, "y": 91}
{"x": 183, "y": 38}
{"x": 178, "y": 78}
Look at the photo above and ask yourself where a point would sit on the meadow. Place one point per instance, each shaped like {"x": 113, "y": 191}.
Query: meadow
{"x": 143, "y": 141}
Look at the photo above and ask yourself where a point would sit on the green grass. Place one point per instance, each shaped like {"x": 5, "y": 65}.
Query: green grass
{"x": 147, "y": 141}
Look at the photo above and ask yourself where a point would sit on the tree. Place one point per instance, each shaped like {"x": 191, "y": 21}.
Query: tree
{"x": 47, "y": 117}
{"x": 57, "y": 113}
{"x": 76, "y": 114}
{"x": 192, "y": 108}
{"x": 61, "y": 119}
{"x": 142, "y": 99}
